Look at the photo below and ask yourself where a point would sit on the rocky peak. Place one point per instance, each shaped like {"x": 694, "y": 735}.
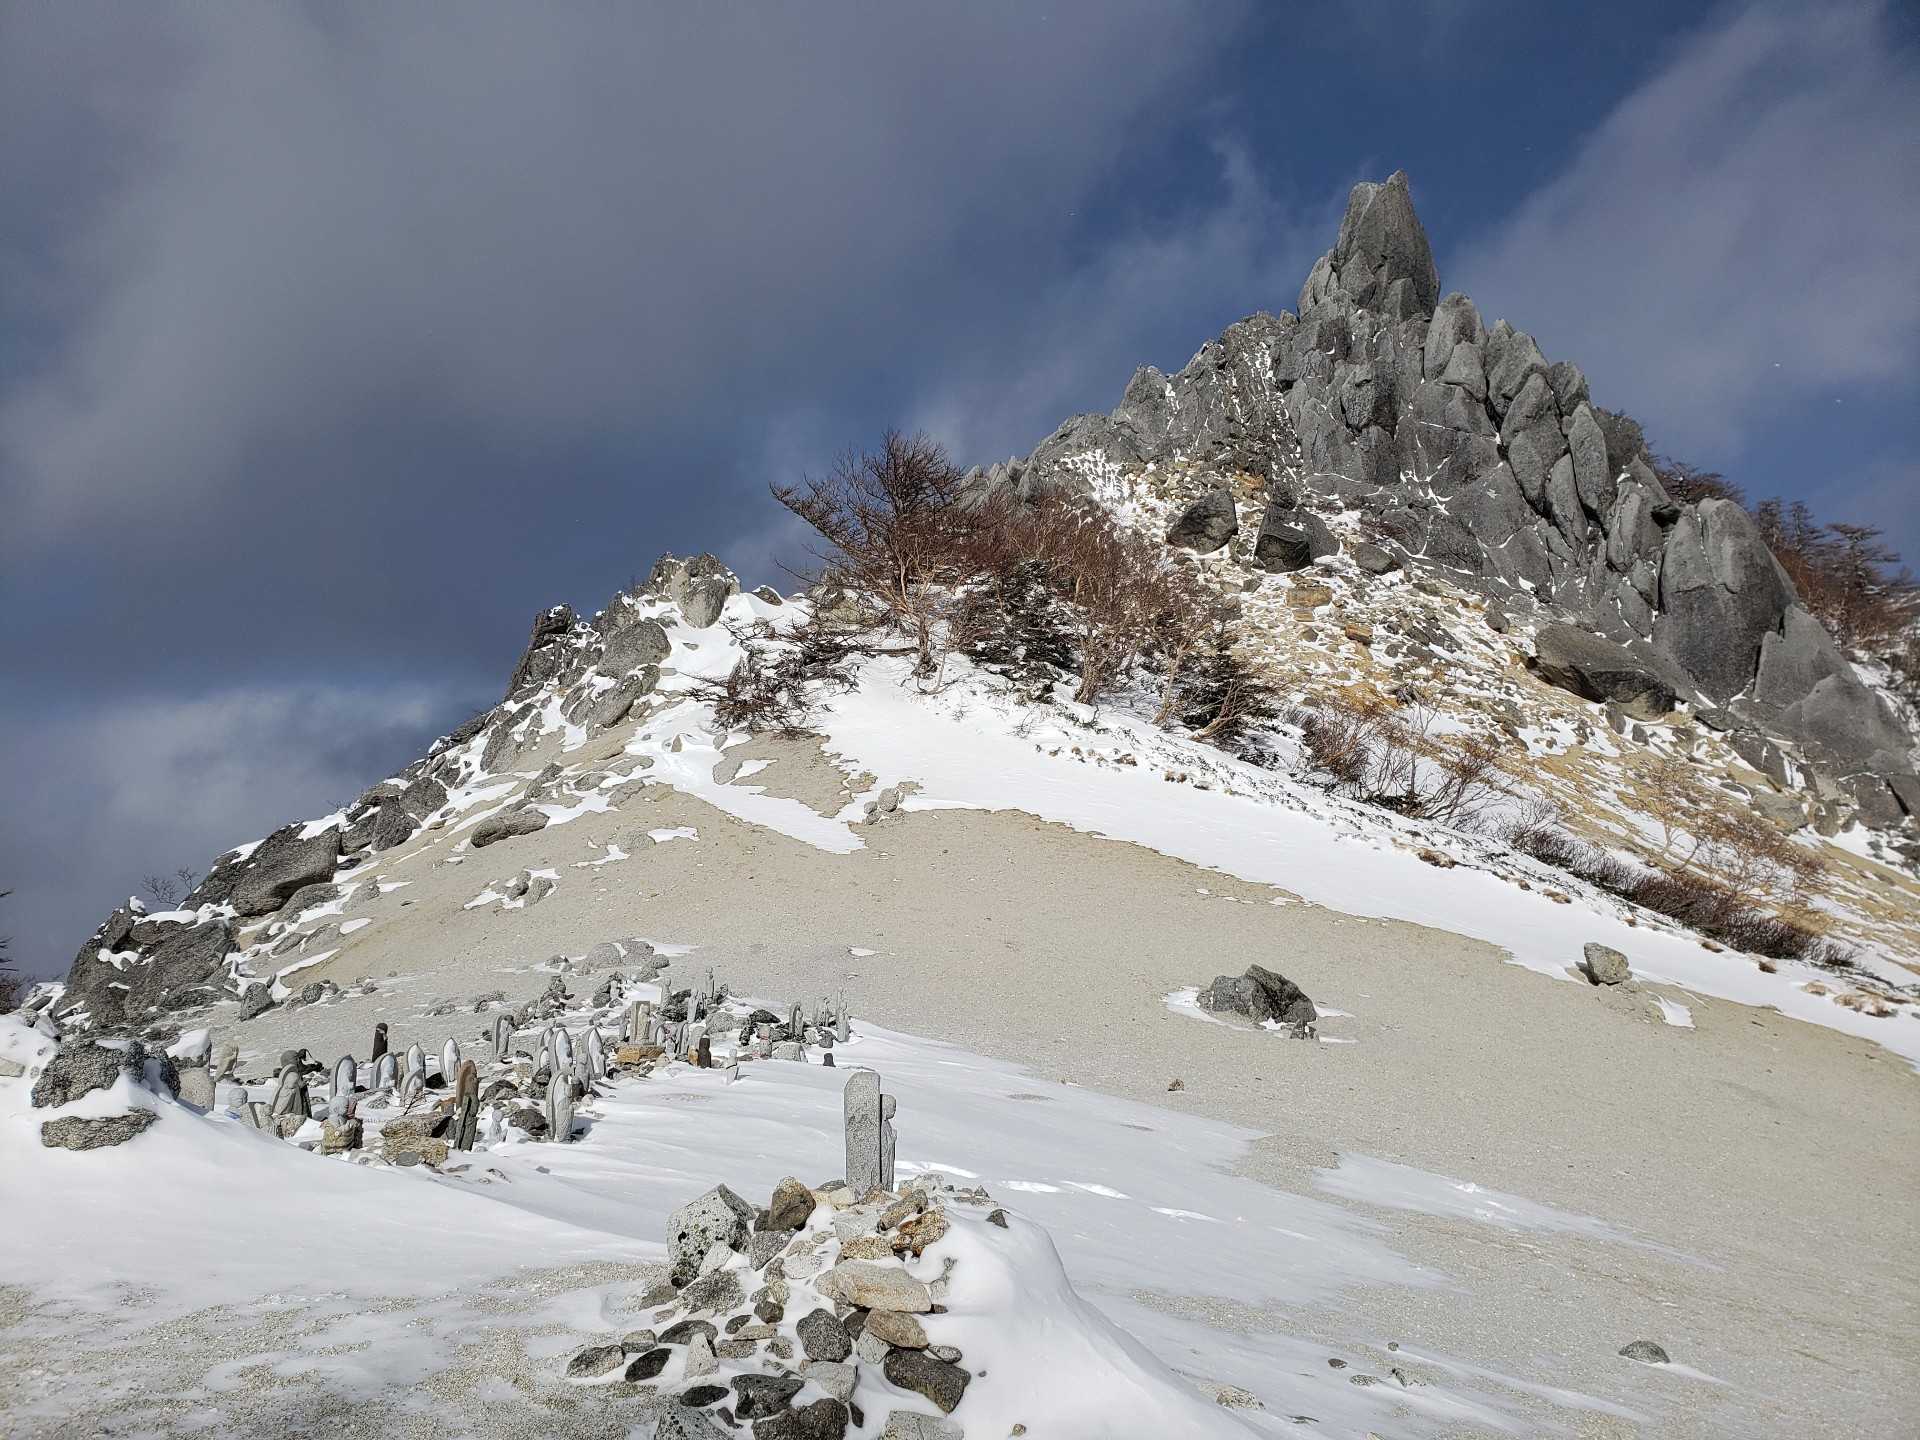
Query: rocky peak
{"x": 1382, "y": 259}
{"x": 1385, "y": 415}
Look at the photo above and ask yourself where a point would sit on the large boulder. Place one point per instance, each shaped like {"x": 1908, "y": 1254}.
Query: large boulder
{"x": 1206, "y": 524}
{"x": 94, "y": 1132}
{"x": 280, "y": 865}
{"x": 548, "y": 650}
{"x": 80, "y": 1068}
{"x": 506, "y": 825}
{"x": 1721, "y": 592}
{"x": 1260, "y": 995}
{"x": 1601, "y": 670}
{"x": 638, "y": 645}
{"x": 183, "y": 965}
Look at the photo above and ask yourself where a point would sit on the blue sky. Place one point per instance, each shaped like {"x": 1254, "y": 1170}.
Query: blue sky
{"x": 336, "y": 341}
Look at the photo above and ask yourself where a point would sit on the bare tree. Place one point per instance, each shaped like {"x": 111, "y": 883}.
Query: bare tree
{"x": 889, "y": 522}
{"x": 168, "y": 889}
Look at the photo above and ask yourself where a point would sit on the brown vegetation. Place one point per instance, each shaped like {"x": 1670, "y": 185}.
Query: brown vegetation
{"x": 1373, "y": 751}
{"x": 1719, "y": 889}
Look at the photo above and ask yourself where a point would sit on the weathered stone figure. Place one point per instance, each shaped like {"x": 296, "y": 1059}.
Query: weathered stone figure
{"x": 502, "y": 1039}
{"x": 560, "y": 1108}
{"x": 449, "y": 1059}
{"x": 596, "y": 1054}
{"x": 345, "y": 1075}
{"x": 290, "y": 1095}
{"x": 466, "y": 1115}
{"x": 379, "y": 1041}
{"x": 386, "y": 1072}
{"x": 416, "y": 1063}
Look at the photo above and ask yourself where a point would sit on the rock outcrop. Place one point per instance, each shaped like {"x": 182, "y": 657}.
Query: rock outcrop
{"x": 1460, "y": 447}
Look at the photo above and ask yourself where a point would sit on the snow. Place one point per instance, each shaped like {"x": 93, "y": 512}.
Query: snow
{"x": 1674, "y": 1013}
{"x": 1111, "y": 1204}
{"x": 1402, "y": 1187}
{"x": 965, "y": 747}
{"x": 677, "y": 832}
{"x": 348, "y": 927}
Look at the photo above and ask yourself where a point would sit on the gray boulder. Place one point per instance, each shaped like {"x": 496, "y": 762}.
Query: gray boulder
{"x": 389, "y": 825}
{"x": 1282, "y": 544}
{"x": 80, "y": 1068}
{"x": 78, "y": 1132}
{"x": 639, "y": 645}
{"x": 280, "y": 865}
{"x": 1374, "y": 559}
{"x": 506, "y": 825}
{"x": 1721, "y": 591}
{"x": 548, "y": 650}
{"x": 616, "y": 704}
{"x": 1646, "y": 1352}
{"x": 1605, "y": 965}
{"x": 718, "y": 1217}
{"x": 1206, "y": 524}
{"x": 1260, "y": 995}
{"x": 1601, "y": 670}
{"x": 185, "y": 969}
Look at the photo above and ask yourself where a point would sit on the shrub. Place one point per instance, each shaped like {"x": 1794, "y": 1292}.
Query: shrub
{"x": 1377, "y": 754}
{"x": 893, "y": 532}
{"x": 771, "y": 688}
{"x": 1220, "y": 697}
{"x": 1721, "y": 903}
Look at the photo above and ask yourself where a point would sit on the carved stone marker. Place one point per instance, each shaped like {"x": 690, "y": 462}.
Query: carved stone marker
{"x": 870, "y": 1134}
{"x": 379, "y": 1040}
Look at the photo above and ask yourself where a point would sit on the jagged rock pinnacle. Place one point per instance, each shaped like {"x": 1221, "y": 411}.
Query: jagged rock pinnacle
{"x": 1381, "y": 260}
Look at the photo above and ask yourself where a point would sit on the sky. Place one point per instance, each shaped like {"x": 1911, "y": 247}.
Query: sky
{"x": 336, "y": 341}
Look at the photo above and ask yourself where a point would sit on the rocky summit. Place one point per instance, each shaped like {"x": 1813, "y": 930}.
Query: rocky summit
{"x": 1457, "y": 448}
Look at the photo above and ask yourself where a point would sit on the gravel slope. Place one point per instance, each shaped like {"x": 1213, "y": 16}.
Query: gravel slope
{"x": 1782, "y": 1160}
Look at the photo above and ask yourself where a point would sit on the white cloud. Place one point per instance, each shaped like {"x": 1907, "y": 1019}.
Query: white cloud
{"x": 1738, "y": 229}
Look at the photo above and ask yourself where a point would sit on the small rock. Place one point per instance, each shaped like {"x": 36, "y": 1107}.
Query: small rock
{"x": 634, "y": 1341}
{"x": 823, "y": 1336}
{"x": 897, "y": 1329}
{"x": 700, "y": 1396}
{"x": 678, "y": 1422}
{"x": 822, "y": 1420}
{"x": 1646, "y": 1352}
{"x": 915, "y": 1370}
{"x": 792, "y": 1203}
{"x": 684, "y": 1332}
{"x": 595, "y": 1360}
{"x": 875, "y": 1287}
{"x": 649, "y": 1364}
{"x": 764, "y": 1395}
{"x": 700, "y": 1358}
{"x": 835, "y": 1377}
{"x": 1605, "y": 965}
{"x": 912, "y": 1425}
{"x": 716, "y": 1290}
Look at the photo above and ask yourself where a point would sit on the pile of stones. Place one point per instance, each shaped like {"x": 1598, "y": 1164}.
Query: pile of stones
{"x": 784, "y": 1318}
